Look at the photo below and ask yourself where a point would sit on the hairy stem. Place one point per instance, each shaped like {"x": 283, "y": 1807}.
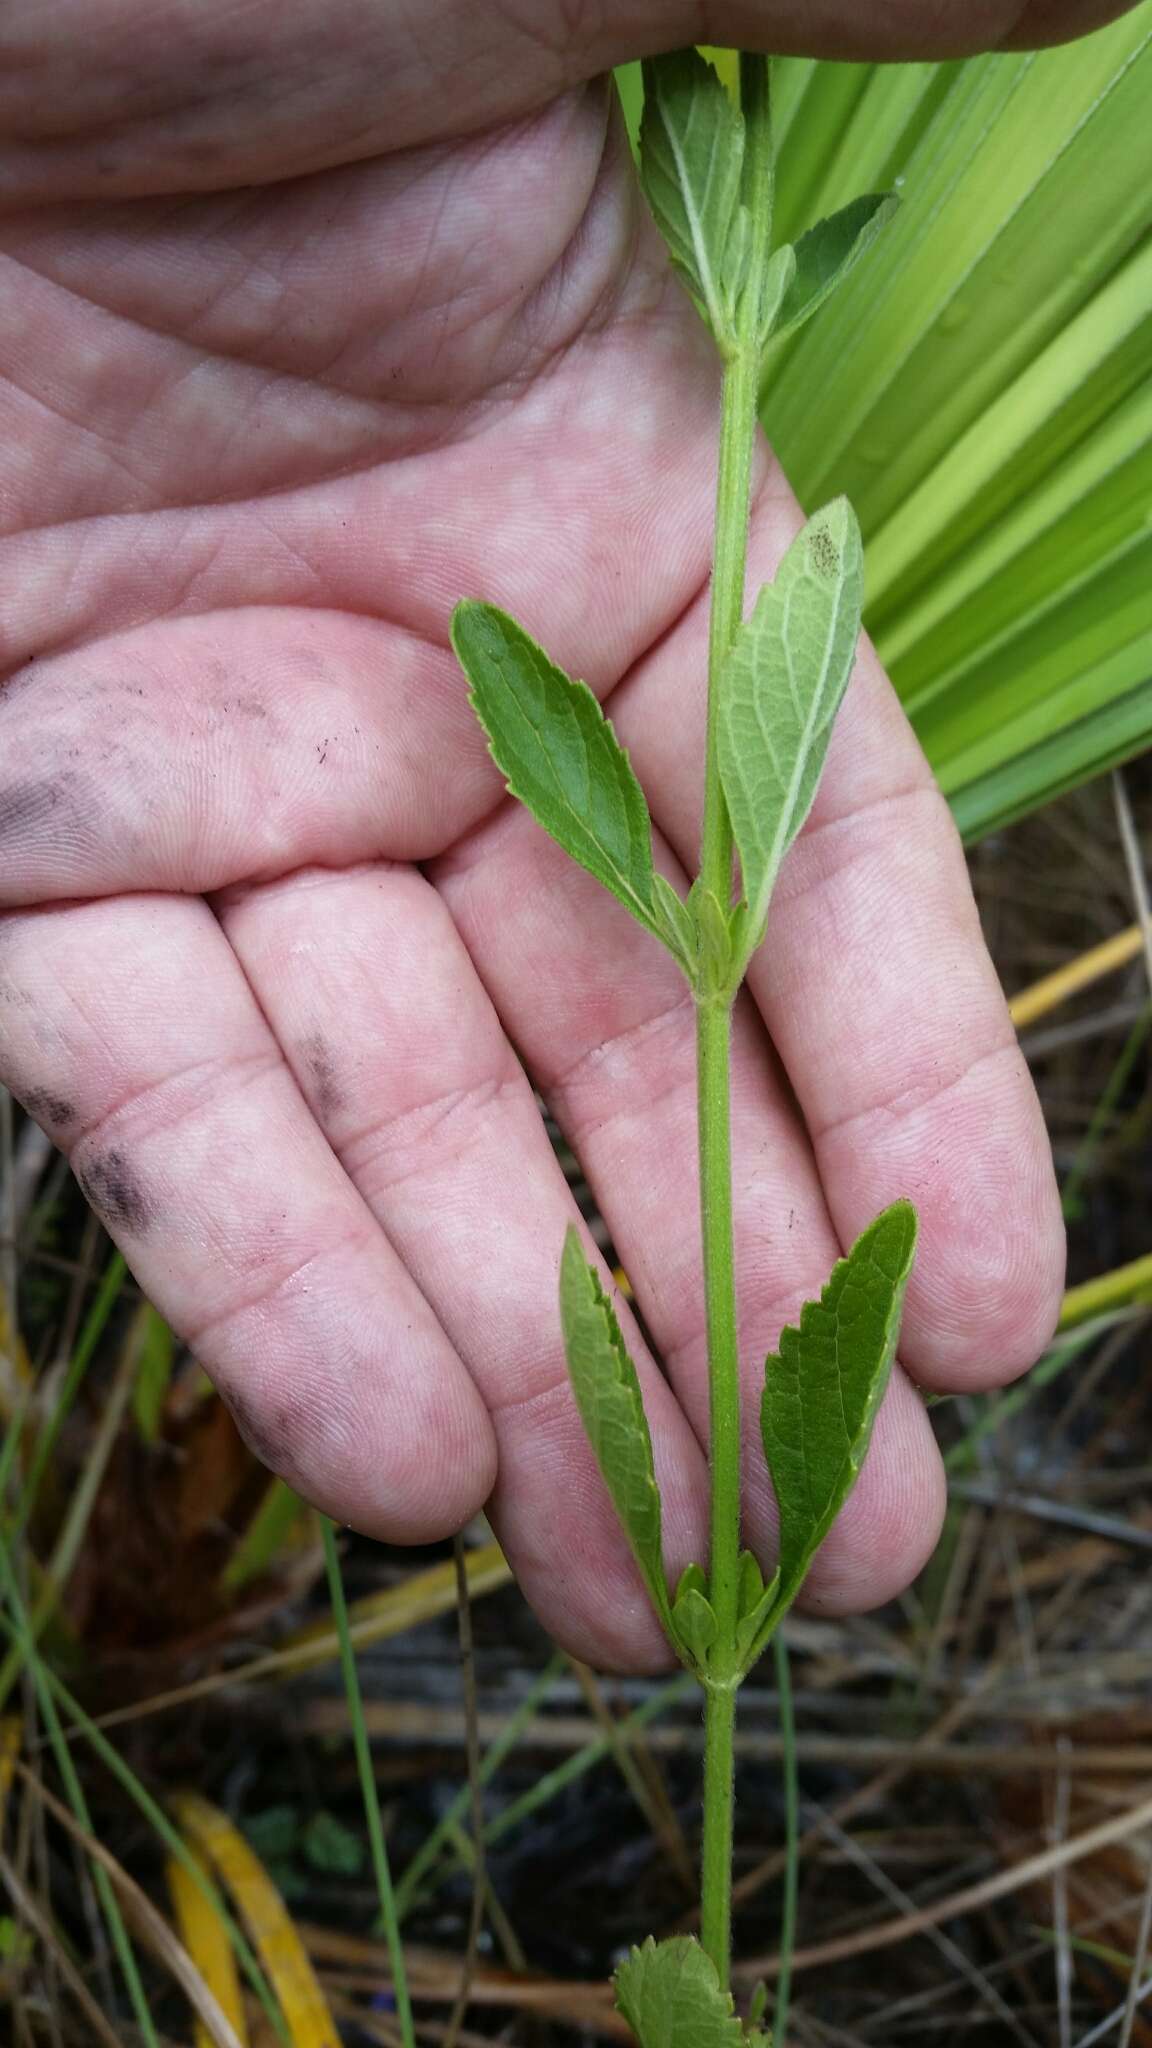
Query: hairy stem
{"x": 738, "y": 421}
{"x": 716, "y": 1856}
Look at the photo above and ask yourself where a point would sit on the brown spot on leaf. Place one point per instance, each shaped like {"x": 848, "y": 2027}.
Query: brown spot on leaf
{"x": 825, "y": 559}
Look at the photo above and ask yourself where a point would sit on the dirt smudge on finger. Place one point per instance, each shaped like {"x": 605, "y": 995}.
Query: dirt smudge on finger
{"x": 319, "y": 1059}
{"x": 108, "y": 1182}
{"x": 55, "y": 1112}
{"x": 268, "y": 1435}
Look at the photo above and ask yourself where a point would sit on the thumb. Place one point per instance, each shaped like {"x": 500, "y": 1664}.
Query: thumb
{"x": 112, "y": 98}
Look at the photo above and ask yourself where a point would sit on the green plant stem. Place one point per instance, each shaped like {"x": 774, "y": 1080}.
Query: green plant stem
{"x": 738, "y": 416}
{"x": 738, "y": 423}
{"x": 791, "y": 1842}
{"x": 716, "y": 1855}
{"x": 368, "y": 1790}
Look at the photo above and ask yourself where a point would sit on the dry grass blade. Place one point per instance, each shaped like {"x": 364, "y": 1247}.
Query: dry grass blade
{"x": 1034, "y": 1868}
{"x": 354, "y": 1962}
{"x": 149, "y": 1924}
{"x": 206, "y": 1941}
{"x": 1047, "y": 994}
{"x": 32, "y": 1916}
{"x": 420, "y": 1597}
{"x": 950, "y": 1950}
{"x": 273, "y": 1932}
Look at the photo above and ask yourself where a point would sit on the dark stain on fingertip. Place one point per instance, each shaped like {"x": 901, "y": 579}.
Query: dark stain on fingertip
{"x": 266, "y": 1437}
{"x": 114, "y": 1191}
{"x": 25, "y": 805}
{"x": 321, "y": 1064}
{"x": 55, "y": 1112}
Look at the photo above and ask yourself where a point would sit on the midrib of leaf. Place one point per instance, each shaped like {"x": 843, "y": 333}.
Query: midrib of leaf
{"x": 704, "y": 260}
{"x": 808, "y": 727}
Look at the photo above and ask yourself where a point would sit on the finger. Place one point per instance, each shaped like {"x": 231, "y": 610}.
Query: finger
{"x": 405, "y": 1065}
{"x": 129, "y": 1029}
{"x": 879, "y": 995}
{"x": 606, "y": 1026}
{"x": 199, "y": 97}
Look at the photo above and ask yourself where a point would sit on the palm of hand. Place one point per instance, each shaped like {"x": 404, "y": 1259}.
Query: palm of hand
{"x": 267, "y": 439}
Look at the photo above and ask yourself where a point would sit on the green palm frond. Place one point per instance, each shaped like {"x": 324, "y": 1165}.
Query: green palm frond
{"x": 981, "y": 388}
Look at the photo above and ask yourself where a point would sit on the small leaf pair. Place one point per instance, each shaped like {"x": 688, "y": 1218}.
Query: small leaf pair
{"x": 780, "y": 689}
{"x": 822, "y": 1389}
{"x": 693, "y": 169}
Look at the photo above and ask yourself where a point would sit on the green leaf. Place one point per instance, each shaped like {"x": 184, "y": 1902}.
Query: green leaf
{"x": 694, "y": 1623}
{"x": 713, "y": 953}
{"x": 670, "y": 1995}
{"x": 829, "y": 251}
{"x": 750, "y": 1588}
{"x": 693, "y": 1578}
{"x": 823, "y": 1387}
{"x": 757, "y": 1602}
{"x": 330, "y": 1846}
{"x": 675, "y": 923}
{"x": 780, "y": 689}
{"x": 691, "y": 159}
{"x": 155, "y": 1349}
{"x": 558, "y": 754}
{"x": 612, "y": 1410}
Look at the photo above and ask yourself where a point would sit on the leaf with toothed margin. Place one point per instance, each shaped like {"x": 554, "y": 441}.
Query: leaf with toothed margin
{"x": 824, "y": 1384}
{"x": 781, "y": 686}
{"x": 612, "y": 1410}
{"x": 691, "y": 165}
{"x": 559, "y": 755}
{"x": 829, "y": 252}
{"x": 670, "y": 1994}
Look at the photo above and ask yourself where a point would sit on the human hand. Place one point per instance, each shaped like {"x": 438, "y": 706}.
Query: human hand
{"x": 259, "y": 439}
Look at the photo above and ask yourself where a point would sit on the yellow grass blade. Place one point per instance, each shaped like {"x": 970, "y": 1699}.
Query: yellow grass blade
{"x": 389, "y": 1613}
{"x": 206, "y": 1941}
{"x": 274, "y": 1935}
{"x": 1035, "y": 1002}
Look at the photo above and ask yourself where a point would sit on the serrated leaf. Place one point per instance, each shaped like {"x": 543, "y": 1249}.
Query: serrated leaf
{"x": 691, "y": 159}
{"x": 611, "y": 1408}
{"x": 558, "y": 754}
{"x": 694, "y": 1623}
{"x": 829, "y": 251}
{"x": 670, "y": 1995}
{"x": 780, "y": 690}
{"x": 823, "y": 1387}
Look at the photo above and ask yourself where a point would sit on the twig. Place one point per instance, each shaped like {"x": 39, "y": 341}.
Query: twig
{"x": 868, "y": 1940}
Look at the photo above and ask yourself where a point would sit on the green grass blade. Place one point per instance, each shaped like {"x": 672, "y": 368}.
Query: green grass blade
{"x": 368, "y": 1790}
